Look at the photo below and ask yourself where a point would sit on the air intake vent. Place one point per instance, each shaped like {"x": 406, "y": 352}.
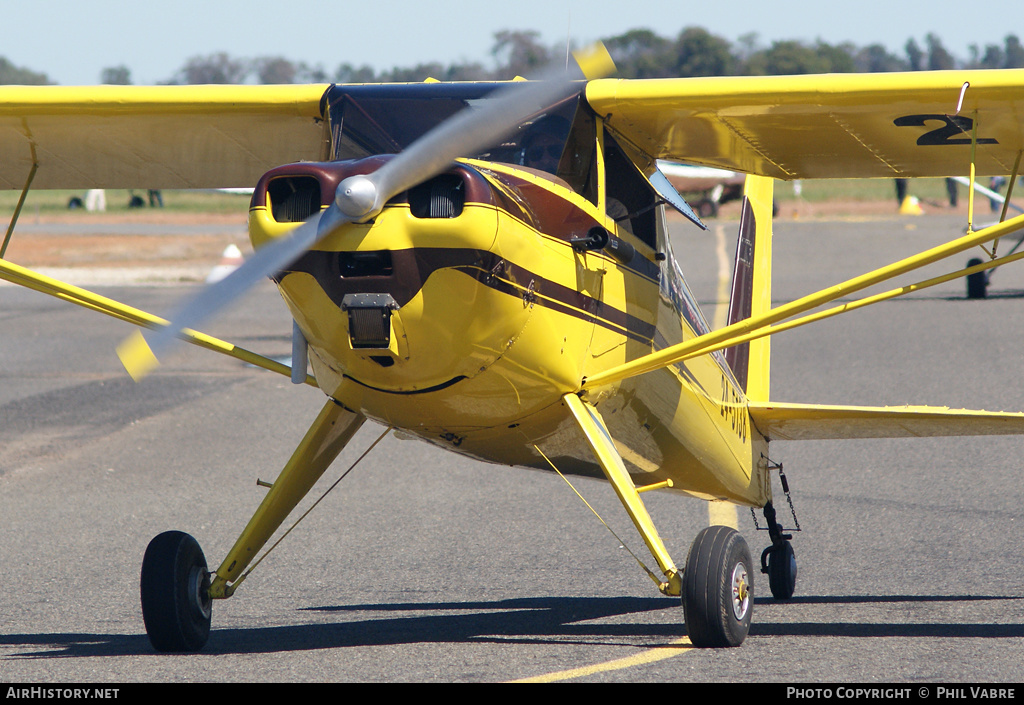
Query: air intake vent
{"x": 294, "y": 198}
{"x": 369, "y": 327}
{"x": 441, "y": 197}
{"x": 364, "y": 264}
{"x": 369, "y": 319}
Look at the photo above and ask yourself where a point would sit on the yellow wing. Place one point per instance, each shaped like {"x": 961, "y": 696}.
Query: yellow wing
{"x": 824, "y": 126}
{"x": 155, "y": 136}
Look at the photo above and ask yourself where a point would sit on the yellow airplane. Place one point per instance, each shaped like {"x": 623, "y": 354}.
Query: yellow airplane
{"x": 487, "y": 267}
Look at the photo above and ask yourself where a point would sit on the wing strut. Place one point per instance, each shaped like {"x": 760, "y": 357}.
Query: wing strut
{"x": 21, "y": 204}
{"x": 115, "y": 309}
{"x": 854, "y": 305}
{"x": 732, "y": 334}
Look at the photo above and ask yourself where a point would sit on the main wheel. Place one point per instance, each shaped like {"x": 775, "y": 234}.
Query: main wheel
{"x": 779, "y": 562}
{"x": 175, "y": 590}
{"x": 706, "y": 208}
{"x": 718, "y": 584}
{"x": 977, "y": 283}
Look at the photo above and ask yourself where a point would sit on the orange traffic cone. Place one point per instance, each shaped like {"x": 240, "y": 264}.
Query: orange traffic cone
{"x": 911, "y": 206}
{"x": 229, "y": 261}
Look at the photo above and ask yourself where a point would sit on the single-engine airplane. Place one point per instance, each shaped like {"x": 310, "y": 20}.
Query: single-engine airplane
{"x": 486, "y": 267}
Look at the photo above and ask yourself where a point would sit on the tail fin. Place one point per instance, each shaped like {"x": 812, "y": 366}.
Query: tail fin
{"x": 752, "y": 286}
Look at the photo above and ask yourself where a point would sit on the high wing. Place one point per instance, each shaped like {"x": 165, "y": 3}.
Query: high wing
{"x": 161, "y": 137}
{"x": 786, "y": 127}
{"x": 824, "y": 126}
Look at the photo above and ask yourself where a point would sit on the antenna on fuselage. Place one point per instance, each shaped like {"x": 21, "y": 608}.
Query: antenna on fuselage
{"x": 568, "y": 39}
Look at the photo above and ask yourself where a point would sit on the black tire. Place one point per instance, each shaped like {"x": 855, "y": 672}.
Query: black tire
{"x": 781, "y": 570}
{"x": 706, "y": 208}
{"x": 977, "y": 283}
{"x": 718, "y": 582}
{"x": 175, "y": 590}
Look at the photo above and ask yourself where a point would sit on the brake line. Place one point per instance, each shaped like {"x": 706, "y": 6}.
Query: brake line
{"x": 651, "y": 575}
{"x": 351, "y": 467}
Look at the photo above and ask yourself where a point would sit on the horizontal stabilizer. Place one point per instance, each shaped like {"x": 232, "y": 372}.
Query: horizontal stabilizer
{"x": 806, "y": 422}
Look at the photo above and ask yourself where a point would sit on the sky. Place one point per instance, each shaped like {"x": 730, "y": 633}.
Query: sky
{"x": 72, "y": 42}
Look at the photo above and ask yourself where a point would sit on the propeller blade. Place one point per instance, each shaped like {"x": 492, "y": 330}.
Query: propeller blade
{"x": 139, "y": 353}
{"x": 359, "y": 198}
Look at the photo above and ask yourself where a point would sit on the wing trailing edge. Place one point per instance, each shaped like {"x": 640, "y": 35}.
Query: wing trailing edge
{"x": 805, "y": 422}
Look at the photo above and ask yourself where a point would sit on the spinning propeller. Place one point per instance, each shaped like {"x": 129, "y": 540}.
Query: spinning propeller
{"x": 360, "y": 198}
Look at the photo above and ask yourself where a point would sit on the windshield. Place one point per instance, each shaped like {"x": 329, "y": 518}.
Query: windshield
{"x": 385, "y": 119}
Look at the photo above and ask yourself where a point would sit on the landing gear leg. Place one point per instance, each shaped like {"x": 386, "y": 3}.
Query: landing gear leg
{"x": 977, "y": 283}
{"x": 778, "y": 561}
{"x": 177, "y": 590}
{"x": 596, "y": 433}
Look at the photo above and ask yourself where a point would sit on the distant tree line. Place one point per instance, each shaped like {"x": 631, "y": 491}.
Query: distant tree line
{"x": 638, "y": 53}
{"x": 11, "y": 74}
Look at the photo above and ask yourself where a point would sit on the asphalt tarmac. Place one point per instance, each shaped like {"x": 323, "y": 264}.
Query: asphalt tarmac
{"x": 424, "y": 566}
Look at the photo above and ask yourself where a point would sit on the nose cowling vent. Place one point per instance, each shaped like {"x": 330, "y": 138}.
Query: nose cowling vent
{"x": 293, "y": 199}
{"x": 440, "y": 197}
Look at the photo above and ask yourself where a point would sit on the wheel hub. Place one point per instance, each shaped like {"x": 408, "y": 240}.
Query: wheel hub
{"x": 199, "y": 591}
{"x": 740, "y": 591}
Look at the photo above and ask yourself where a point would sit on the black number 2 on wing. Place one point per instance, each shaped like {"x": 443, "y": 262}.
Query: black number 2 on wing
{"x": 956, "y": 129}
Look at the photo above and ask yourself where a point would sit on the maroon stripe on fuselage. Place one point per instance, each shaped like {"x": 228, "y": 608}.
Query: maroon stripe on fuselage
{"x": 741, "y": 299}
{"x": 554, "y": 216}
{"x": 411, "y": 268}
{"x": 535, "y": 206}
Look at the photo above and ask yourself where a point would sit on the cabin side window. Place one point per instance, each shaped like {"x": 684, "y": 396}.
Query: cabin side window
{"x": 578, "y": 165}
{"x": 629, "y": 198}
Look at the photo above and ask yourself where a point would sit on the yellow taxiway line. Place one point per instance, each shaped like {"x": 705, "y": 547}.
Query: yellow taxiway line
{"x": 658, "y": 653}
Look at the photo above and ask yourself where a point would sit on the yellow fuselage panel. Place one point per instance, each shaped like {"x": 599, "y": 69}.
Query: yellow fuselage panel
{"x": 493, "y": 320}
